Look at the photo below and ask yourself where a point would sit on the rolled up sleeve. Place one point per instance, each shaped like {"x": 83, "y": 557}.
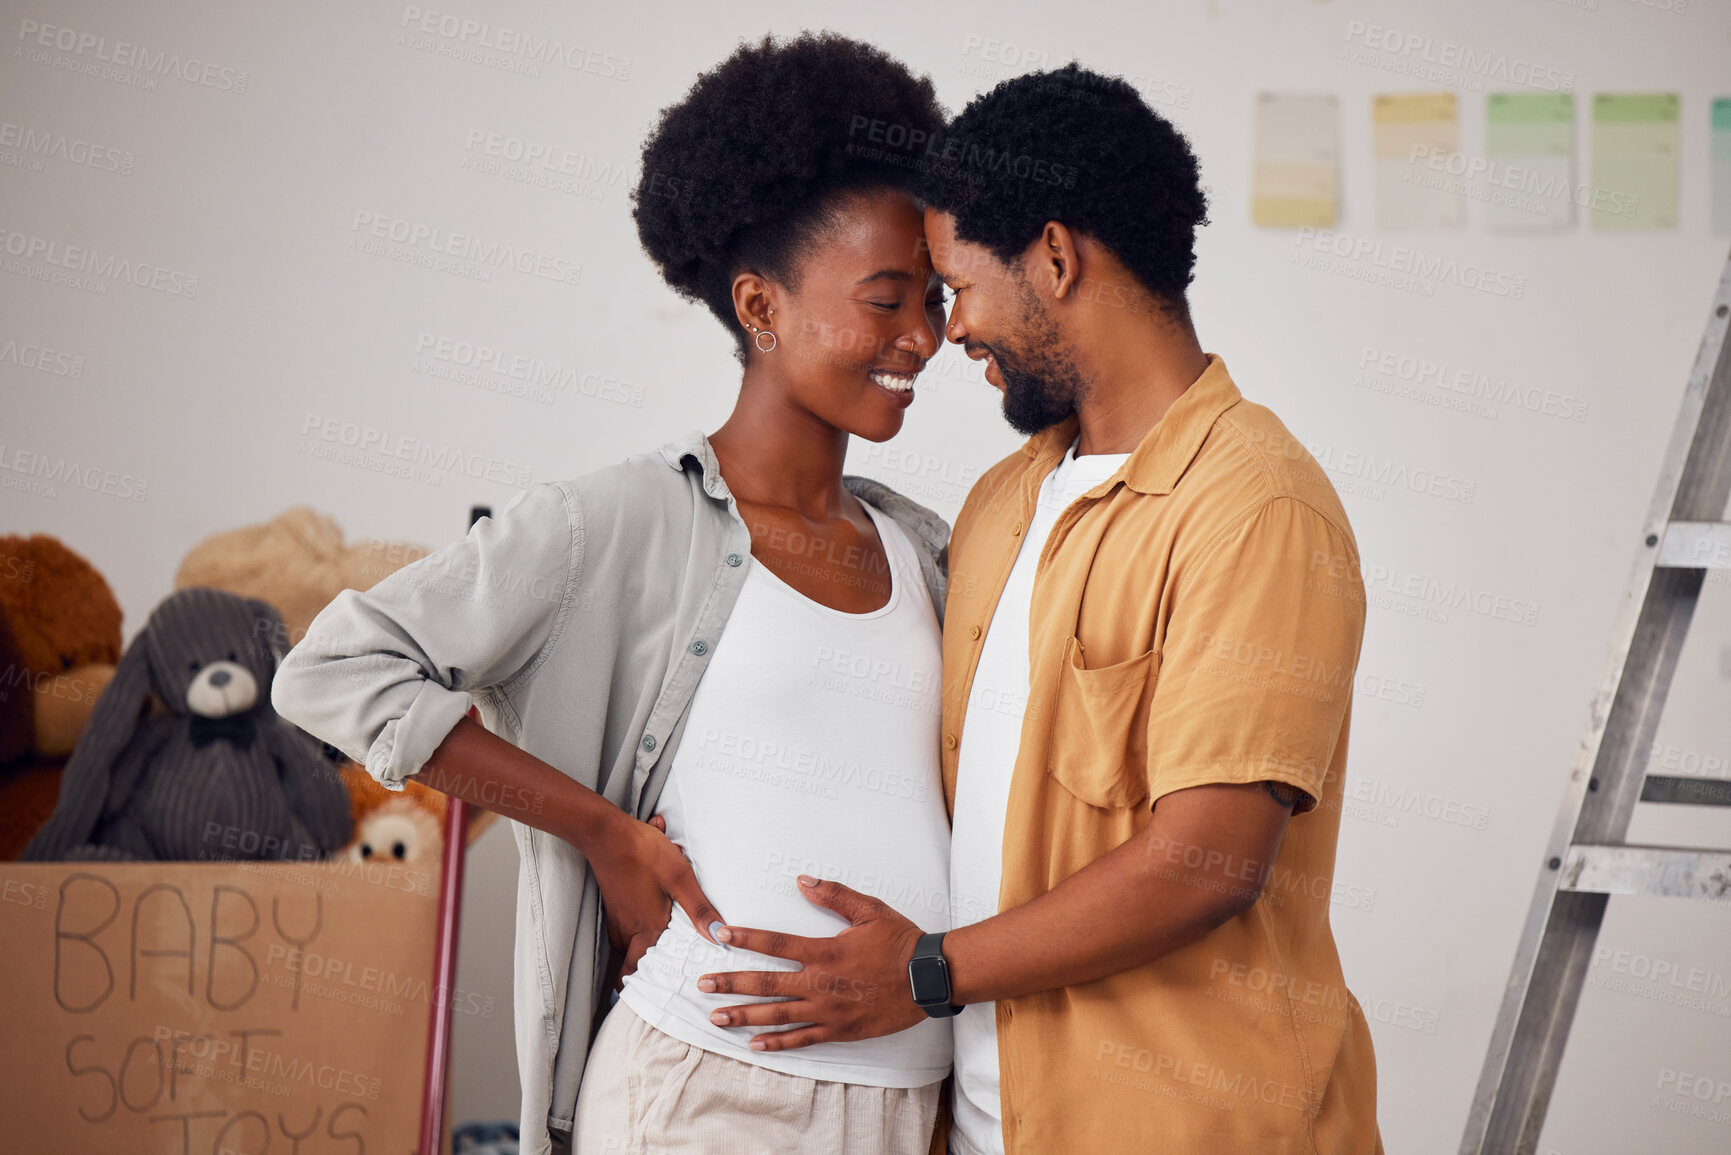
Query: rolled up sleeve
{"x": 384, "y": 674}
{"x": 1259, "y": 654}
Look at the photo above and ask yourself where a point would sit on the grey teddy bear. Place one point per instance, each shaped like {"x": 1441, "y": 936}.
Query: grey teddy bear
{"x": 221, "y": 776}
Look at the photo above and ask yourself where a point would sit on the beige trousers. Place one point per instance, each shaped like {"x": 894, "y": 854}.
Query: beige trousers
{"x": 645, "y": 1092}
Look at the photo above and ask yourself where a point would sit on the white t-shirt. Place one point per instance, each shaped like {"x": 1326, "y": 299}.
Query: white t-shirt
{"x": 811, "y": 747}
{"x": 991, "y": 735}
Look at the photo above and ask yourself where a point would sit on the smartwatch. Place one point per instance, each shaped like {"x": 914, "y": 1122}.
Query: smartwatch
{"x": 929, "y": 976}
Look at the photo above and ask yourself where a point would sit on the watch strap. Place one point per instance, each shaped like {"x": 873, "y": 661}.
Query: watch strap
{"x": 930, "y": 946}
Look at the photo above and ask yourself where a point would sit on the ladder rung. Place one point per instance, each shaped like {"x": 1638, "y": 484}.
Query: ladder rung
{"x": 1696, "y": 545}
{"x": 1687, "y": 791}
{"x": 1662, "y": 871}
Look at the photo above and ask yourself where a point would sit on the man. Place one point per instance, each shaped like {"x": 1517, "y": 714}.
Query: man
{"x": 1143, "y": 857}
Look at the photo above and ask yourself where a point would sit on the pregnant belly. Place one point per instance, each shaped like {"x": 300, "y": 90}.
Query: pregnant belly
{"x": 663, "y": 990}
{"x": 753, "y": 885}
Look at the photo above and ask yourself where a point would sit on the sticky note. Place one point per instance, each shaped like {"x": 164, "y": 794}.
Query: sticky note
{"x": 1720, "y": 152}
{"x": 1297, "y": 160}
{"x": 1530, "y": 153}
{"x": 1635, "y": 148}
{"x": 1409, "y": 130}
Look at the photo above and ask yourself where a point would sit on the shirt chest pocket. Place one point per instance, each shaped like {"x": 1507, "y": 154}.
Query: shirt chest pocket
{"x": 1099, "y": 746}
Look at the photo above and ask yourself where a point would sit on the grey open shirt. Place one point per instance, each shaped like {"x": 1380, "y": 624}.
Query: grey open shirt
{"x": 579, "y": 620}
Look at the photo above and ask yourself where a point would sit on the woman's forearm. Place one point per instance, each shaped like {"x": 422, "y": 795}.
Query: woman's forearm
{"x": 640, "y": 872}
{"x": 478, "y": 766}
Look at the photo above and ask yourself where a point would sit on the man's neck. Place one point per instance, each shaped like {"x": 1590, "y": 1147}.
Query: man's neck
{"x": 1137, "y": 373}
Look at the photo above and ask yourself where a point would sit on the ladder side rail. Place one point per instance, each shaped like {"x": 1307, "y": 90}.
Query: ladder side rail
{"x": 1563, "y": 951}
{"x": 1568, "y": 918}
{"x": 1704, "y": 485}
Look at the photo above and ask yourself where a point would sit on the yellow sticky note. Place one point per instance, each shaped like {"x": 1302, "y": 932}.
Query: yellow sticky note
{"x": 1408, "y": 130}
{"x": 1296, "y": 175}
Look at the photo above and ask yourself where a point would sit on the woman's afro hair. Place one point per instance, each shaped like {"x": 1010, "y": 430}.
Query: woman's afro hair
{"x": 749, "y": 165}
{"x": 1074, "y": 146}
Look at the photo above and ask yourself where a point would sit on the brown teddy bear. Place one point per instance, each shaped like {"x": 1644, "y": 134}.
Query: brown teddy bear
{"x": 59, "y": 645}
{"x": 298, "y": 562}
{"x": 406, "y": 826}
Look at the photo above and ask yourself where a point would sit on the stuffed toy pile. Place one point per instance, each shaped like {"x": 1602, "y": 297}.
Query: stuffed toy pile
{"x": 175, "y": 752}
{"x": 220, "y": 775}
{"x": 299, "y": 562}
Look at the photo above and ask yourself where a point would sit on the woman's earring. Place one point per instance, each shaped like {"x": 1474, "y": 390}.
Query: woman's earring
{"x": 758, "y": 341}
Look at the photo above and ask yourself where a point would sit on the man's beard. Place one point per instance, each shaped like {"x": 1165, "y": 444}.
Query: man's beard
{"x": 1041, "y": 381}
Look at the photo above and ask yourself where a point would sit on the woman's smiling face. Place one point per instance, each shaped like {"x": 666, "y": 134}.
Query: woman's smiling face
{"x": 864, "y": 316}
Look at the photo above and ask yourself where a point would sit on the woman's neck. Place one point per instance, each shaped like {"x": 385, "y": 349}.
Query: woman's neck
{"x": 774, "y": 452}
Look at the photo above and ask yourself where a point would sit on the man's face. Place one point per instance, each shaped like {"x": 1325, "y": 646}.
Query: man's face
{"x": 998, "y": 318}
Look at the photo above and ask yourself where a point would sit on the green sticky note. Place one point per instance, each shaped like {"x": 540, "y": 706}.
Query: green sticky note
{"x": 1720, "y": 153}
{"x": 1635, "y": 151}
{"x": 1530, "y": 155}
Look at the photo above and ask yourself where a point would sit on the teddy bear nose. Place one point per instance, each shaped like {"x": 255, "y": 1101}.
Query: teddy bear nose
{"x": 220, "y": 678}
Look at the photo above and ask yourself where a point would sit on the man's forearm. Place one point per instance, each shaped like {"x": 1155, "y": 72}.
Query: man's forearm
{"x": 1198, "y": 864}
{"x": 1111, "y": 915}
{"x": 478, "y": 766}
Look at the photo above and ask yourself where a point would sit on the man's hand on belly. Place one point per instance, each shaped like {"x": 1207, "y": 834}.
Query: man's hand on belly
{"x": 852, "y": 986}
{"x": 1137, "y": 902}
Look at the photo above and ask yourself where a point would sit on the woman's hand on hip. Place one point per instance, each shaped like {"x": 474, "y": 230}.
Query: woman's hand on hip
{"x": 642, "y": 873}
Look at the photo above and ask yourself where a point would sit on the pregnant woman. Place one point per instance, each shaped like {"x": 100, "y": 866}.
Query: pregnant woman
{"x": 726, "y": 634}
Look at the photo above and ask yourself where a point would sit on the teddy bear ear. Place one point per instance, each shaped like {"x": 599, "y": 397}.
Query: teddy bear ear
{"x": 87, "y": 780}
{"x": 268, "y": 630}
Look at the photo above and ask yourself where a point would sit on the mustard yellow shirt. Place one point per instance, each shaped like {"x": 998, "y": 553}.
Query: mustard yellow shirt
{"x": 1196, "y": 618}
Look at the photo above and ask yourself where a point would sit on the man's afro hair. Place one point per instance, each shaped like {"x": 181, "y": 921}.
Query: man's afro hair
{"x": 747, "y": 167}
{"x": 1074, "y": 146}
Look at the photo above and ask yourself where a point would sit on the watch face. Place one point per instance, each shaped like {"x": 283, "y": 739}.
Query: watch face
{"x": 930, "y": 980}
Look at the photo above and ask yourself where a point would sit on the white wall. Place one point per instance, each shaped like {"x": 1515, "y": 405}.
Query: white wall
{"x": 214, "y": 400}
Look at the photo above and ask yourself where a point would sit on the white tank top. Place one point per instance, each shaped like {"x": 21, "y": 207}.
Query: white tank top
{"x": 811, "y": 747}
